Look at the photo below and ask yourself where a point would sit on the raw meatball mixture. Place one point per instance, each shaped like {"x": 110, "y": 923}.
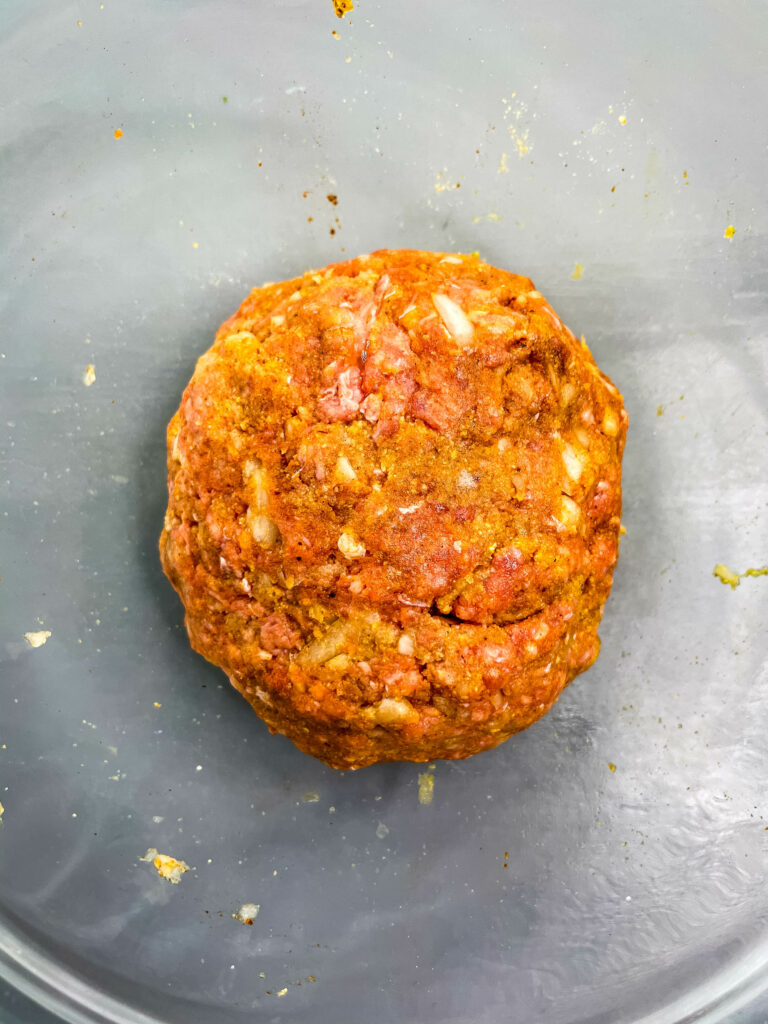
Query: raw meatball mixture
{"x": 395, "y": 498}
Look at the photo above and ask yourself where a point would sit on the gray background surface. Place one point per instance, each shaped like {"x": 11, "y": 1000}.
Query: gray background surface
{"x": 623, "y": 138}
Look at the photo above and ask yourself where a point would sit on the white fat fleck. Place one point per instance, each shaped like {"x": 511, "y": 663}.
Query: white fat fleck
{"x": 407, "y": 509}
{"x": 395, "y": 712}
{"x": 277, "y": 321}
{"x": 573, "y": 462}
{"x": 582, "y": 436}
{"x": 256, "y": 478}
{"x": 454, "y": 318}
{"x": 37, "y": 639}
{"x": 610, "y": 424}
{"x": 405, "y": 644}
{"x": 350, "y": 546}
{"x": 466, "y": 479}
{"x": 263, "y": 529}
{"x": 344, "y": 470}
{"x": 457, "y": 546}
{"x": 570, "y": 513}
{"x": 451, "y": 259}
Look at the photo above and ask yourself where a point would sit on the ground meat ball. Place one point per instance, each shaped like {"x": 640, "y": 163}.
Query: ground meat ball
{"x": 395, "y": 491}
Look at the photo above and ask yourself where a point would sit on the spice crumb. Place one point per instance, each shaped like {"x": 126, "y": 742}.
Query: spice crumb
{"x": 733, "y": 579}
{"x": 426, "y": 787}
{"x": 118, "y": 133}
{"x": 167, "y": 867}
{"x": 246, "y": 913}
{"x": 342, "y": 7}
{"x": 729, "y": 232}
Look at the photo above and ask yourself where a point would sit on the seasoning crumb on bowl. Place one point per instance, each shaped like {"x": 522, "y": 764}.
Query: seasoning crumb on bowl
{"x": 89, "y": 375}
{"x": 167, "y": 867}
{"x": 39, "y": 638}
{"x": 247, "y": 913}
{"x": 730, "y": 578}
{"x": 426, "y": 787}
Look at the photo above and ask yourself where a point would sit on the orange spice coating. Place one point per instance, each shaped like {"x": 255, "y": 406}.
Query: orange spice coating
{"x": 395, "y": 499}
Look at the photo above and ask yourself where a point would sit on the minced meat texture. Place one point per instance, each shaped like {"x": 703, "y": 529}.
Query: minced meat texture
{"x": 395, "y": 498}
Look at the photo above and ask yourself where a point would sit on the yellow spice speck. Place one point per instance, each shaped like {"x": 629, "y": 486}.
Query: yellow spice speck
{"x": 729, "y": 232}
{"x": 577, "y": 271}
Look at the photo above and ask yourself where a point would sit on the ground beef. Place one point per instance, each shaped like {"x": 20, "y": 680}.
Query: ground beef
{"x": 395, "y": 498}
